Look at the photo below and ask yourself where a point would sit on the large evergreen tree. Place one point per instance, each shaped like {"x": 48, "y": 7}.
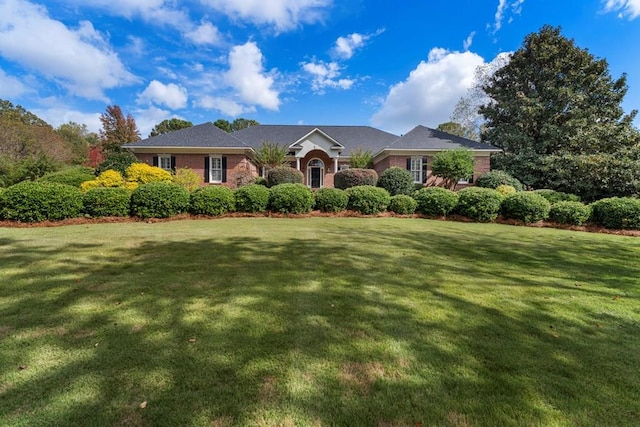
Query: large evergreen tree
{"x": 551, "y": 101}
{"x": 117, "y": 129}
{"x": 169, "y": 125}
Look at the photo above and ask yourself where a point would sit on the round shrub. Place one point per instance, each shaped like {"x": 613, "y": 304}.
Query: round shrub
{"x": 367, "y": 199}
{"x": 554, "y": 196}
{"x": 108, "y": 178}
{"x": 117, "y": 161}
{"x": 479, "y": 204}
{"x": 403, "y": 204}
{"x": 526, "y": 206}
{"x": 104, "y": 201}
{"x": 354, "y": 177}
{"x": 574, "y": 213}
{"x": 213, "y": 200}
{"x": 73, "y": 176}
{"x": 159, "y": 200}
{"x": 252, "y": 198}
{"x": 291, "y": 198}
{"x": 506, "y": 190}
{"x": 435, "y": 201}
{"x": 260, "y": 181}
{"x": 617, "y": 212}
{"x": 143, "y": 173}
{"x": 331, "y": 200}
{"x": 396, "y": 181}
{"x": 30, "y": 201}
{"x": 284, "y": 175}
{"x": 496, "y": 178}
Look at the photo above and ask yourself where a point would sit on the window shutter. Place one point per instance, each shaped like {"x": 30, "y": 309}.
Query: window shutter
{"x": 424, "y": 170}
{"x": 409, "y": 164}
{"x": 224, "y": 169}
{"x": 155, "y": 161}
{"x": 206, "y": 169}
{"x": 173, "y": 163}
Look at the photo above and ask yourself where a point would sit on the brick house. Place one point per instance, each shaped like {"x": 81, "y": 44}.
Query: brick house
{"x": 317, "y": 151}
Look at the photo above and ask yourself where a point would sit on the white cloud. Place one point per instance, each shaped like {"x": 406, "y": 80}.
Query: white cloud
{"x": 247, "y": 77}
{"x": 466, "y": 44}
{"x": 10, "y": 87}
{"x": 170, "y": 95}
{"x": 629, "y": 8}
{"x": 147, "y": 118}
{"x": 325, "y": 75}
{"x": 205, "y": 33}
{"x": 503, "y": 7}
{"x": 224, "y": 105}
{"x": 428, "y": 96}
{"x": 346, "y": 46}
{"x": 79, "y": 59}
{"x": 282, "y": 14}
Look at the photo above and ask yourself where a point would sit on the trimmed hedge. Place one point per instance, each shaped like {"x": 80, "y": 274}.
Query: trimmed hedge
{"x": 30, "y": 201}
{"x": 403, "y": 204}
{"x": 617, "y": 212}
{"x": 526, "y": 206}
{"x": 396, "y": 181}
{"x": 573, "y": 213}
{"x": 212, "y": 200}
{"x": 496, "y": 178}
{"x": 73, "y": 176}
{"x": 435, "y": 201}
{"x": 354, "y": 177}
{"x": 252, "y": 198}
{"x": 284, "y": 175}
{"x": 506, "y": 190}
{"x": 367, "y": 199}
{"x": 554, "y": 196}
{"x": 291, "y": 198}
{"x": 159, "y": 200}
{"x": 479, "y": 204}
{"x": 105, "y": 201}
{"x": 331, "y": 200}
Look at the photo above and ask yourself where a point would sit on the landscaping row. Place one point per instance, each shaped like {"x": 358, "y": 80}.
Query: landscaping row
{"x": 39, "y": 201}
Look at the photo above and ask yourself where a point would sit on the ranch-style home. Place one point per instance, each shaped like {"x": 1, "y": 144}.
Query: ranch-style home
{"x": 317, "y": 151}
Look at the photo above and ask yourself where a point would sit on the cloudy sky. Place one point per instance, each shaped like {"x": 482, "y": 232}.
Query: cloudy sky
{"x": 392, "y": 65}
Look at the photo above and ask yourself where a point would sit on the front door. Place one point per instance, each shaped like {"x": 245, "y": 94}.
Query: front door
{"x": 315, "y": 177}
{"x": 315, "y": 173}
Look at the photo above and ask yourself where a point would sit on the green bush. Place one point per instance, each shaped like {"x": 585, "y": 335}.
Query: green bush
{"x": 435, "y": 201}
{"x": 557, "y": 196}
{"x": 396, "y": 181}
{"x": 496, "y": 178}
{"x": 354, "y": 177}
{"x": 526, "y": 206}
{"x": 505, "y": 190}
{"x": 73, "y": 176}
{"x": 367, "y": 199}
{"x": 252, "y": 198}
{"x": 403, "y": 204}
{"x": 159, "y": 200}
{"x": 574, "y": 213}
{"x": 259, "y": 181}
{"x": 212, "y": 200}
{"x": 331, "y": 200}
{"x": 30, "y": 201}
{"x": 479, "y": 204}
{"x": 107, "y": 201}
{"x": 284, "y": 175}
{"x": 291, "y": 198}
{"x": 617, "y": 212}
{"x": 118, "y": 162}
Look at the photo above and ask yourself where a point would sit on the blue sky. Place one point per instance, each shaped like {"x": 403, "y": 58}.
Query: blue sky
{"x": 392, "y": 65}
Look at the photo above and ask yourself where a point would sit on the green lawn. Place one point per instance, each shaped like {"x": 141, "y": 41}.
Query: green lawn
{"x": 318, "y": 321}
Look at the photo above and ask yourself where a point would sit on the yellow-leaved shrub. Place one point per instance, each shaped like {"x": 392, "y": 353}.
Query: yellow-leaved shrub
{"x": 108, "y": 178}
{"x": 187, "y": 178}
{"x": 142, "y": 173}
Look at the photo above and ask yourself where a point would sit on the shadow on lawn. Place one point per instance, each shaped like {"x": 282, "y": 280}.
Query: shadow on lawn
{"x": 377, "y": 329}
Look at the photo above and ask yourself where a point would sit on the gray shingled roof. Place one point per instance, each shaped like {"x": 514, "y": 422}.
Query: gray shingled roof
{"x": 350, "y": 137}
{"x": 424, "y": 138}
{"x": 206, "y": 135}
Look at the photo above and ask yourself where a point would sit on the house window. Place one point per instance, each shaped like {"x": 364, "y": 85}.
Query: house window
{"x": 416, "y": 169}
{"x": 215, "y": 171}
{"x": 164, "y": 162}
{"x": 343, "y": 167}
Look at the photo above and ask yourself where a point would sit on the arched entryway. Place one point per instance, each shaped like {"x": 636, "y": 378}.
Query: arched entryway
{"x": 315, "y": 173}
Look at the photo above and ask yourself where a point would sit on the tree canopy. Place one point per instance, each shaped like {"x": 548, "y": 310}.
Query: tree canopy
{"x": 237, "y": 124}
{"x": 79, "y": 139}
{"x": 452, "y": 166}
{"x": 117, "y": 129}
{"x": 169, "y": 125}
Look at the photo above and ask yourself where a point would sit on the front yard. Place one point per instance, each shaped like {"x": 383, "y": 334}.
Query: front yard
{"x": 318, "y": 321}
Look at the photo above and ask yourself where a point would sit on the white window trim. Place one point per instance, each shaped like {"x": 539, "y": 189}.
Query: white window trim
{"x": 463, "y": 181}
{"x": 212, "y": 169}
{"x": 166, "y": 157}
{"x": 417, "y": 170}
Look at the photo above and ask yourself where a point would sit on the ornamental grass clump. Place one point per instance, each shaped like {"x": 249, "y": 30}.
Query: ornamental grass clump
{"x": 30, "y": 201}
{"x": 526, "y": 206}
{"x": 213, "y": 200}
{"x": 617, "y": 212}
{"x": 368, "y": 200}
{"x": 252, "y": 198}
{"x": 403, "y": 204}
{"x": 331, "y": 200}
{"x": 291, "y": 198}
{"x": 435, "y": 201}
{"x": 102, "y": 201}
{"x": 159, "y": 200}
{"x": 479, "y": 204}
{"x": 572, "y": 213}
